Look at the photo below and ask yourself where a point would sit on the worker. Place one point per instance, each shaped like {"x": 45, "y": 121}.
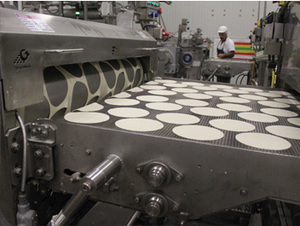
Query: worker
{"x": 225, "y": 47}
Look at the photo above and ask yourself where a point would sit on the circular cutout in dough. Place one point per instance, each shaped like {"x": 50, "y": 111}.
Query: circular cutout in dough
{"x": 136, "y": 90}
{"x": 218, "y": 93}
{"x": 263, "y": 141}
{"x": 232, "y": 125}
{"x": 273, "y": 104}
{"x": 152, "y": 98}
{"x": 234, "y": 107}
{"x": 196, "y": 132}
{"x": 251, "y": 89}
{"x": 122, "y": 95}
{"x": 237, "y": 100}
{"x": 252, "y": 97}
{"x": 279, "y": 112}
{"x": 86, "y": 117}
{"x": 164, "y": 106}
{"x": 185, "y": 90}
{"x": 265, "y": 94}
{"x": 199, "y": 96}
{"x": 258, "y": 117}
{"x": 152, "y": 87}
{"x": 162, "y": 92}
{"x": 208, "y": 111}
{"x": 128, "y": 112}
{"x": 285, "y": 131}
{"x": 91, "y": 107}
{"x": 121, "y": 102}
{"x": 192, "y": 83}
{"x": 287, "y": 101}
{"x": 237, "y": 91}
{"x": 165, "y": 81}
{"x": 177, "y": 118}
{"x": 294, "y": 121}
{"x": 206, "y": 88}
{"x": 191, "y": 102}
{"x": 175, "y": 85}
{"x": 139, "y": 124}
{"x": 221, "y": 86}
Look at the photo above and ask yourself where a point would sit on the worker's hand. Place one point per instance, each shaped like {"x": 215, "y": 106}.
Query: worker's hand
{"x": 221, "y": 55}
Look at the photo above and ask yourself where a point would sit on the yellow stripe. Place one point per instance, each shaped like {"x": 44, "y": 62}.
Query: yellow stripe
{"x": 244, "y": 51}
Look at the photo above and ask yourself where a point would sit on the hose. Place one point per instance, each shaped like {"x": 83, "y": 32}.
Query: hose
{"x": 273, "y": 79}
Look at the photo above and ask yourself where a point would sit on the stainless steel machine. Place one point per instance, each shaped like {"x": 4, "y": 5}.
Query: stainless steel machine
{"x": 85, "y": 122}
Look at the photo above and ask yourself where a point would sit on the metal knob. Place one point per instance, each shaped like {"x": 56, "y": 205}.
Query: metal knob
{"x": 154, "y": 206}
{"x": 157, "y": 175}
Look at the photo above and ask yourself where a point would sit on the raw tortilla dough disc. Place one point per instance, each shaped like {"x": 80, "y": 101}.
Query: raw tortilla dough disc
{"x": 237, "y": 100}
{"x": 279, "y": 112}
{"x": 191, "y": 102}
{"x": 232, "y": 125}
{"x": 218, "y": 93}
{"x": 234, "y": 107}
{"x": 86, "y": 117}
{"x": 206, "y": 88}
{"x": 164, "y": 81}
{"x": 177, "y": 118}
{"x": 263, "y": 141}
{"x": 196, "y": 132}
{"x": 121, "y": 102}
{"x": 285, "y": 131}
{"x": 208, "y": 111}
{"x": 251, "y": 89}
{"x": 221, "y": 86}
{"x": 151, "y": 87}
{"x": 164, "y": 106}
{"x": 162, "y": 92}
{"x": 139, "y": 124}
{"x": 91, "y": 107}
{"x": 185, "y": 90}
{"x": 122, "y": 95}
{"x": 175, "y": 85}
{"x": 152, "y": 98}
{"x": 268, "y": 94}
{"x": 128, "y": 112}
{"x": 151, "y": 83}
{"x": 273, "y": 104}
{"x": 237, "y": 91}
{"x": 280, "y": 92}
{"x": 136, "y": 90}
{"x": 199, "y": 96}
{"x": 294, "y": 121}
{"x": 192, "y": 83}
{"x": 287, "y": 101}
{"x": 258, "y": 117}
{"x": 252, "y": 97}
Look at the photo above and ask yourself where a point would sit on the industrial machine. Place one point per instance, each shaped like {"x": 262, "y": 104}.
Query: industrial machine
{"x": 88, "y": 127}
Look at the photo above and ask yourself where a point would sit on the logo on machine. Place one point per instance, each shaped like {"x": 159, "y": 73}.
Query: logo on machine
{"x": 22, "y": 57}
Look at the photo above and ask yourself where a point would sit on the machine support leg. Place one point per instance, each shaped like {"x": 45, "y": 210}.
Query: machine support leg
{"x": 91, "y": 182}
{"x": 133, "y": 218}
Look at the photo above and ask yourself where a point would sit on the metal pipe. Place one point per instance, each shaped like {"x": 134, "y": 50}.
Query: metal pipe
{"x": 20, "y": 5}
{"x": 258, "y": 11}
{"x": 61, "y": 8}
{"x": 133, "y": 218}
{"x": 24, "y": 165}
{"x": 214, "y": 72}
{"x": 265, "y": 8}
{"x": 85, "y": 11}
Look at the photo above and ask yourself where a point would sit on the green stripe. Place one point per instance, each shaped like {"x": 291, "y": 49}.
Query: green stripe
{"x": 240, "y": 48}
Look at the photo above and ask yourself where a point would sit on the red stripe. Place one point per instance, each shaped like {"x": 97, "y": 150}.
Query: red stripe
{"x": 243, "y": 43}
{"x": 242, "y": 59}
{"x": 245, "y": 54}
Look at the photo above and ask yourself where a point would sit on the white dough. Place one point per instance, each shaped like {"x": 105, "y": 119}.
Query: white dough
{"x": 287, "y": 101}
{"x": 136, "y": 90}
{"x": 177, "y": 118}
{"x": 139, "y": 124}
{"x": 294, "y": 121}
{"x": 237, "y": 91}
{"x": 164, "y": 106}
{"x": 175, "y": 85}
{"x": 196, "y": 132}
{"x": 91, "y": 107}
{"x": 252, "y": 97}
{"x": 232, "y": 125}
{"x": 221, "y": 86}
{"x": 152, "y": 83}
{"x": 258, "y": 117}
{"x": 199, "y": 96}
{"x": 279, "y": 112}
{"x": 218, "y": 93}
{"x": 251, "y": 89}
{"x": 237, "y": 100}
{"x": 162, "y": 92}
{"x": 121, "y": 102}
{"x": 263, "y": 141}
{"x": 191, "y": 102}
{"x": 273, "y": 104}
{"x": 164, "y": 81}
{"x": 152, "y": 98}
{"x": 285, "y": 131}
{"x": 122, "y": 95}
{"x": 208, "y": 111}
{"x": 86, "y": 117}
{"x": 234, "y": 107}
{"x": 128, "y": 112}
{"x": 151, "y": 87}
{"x": 204, "y": 88}
{"x": 265, "y": 94}
{"x": 192, "y": 83}
{"x": 280, "y": 92}
{"x": 185, "y": 90}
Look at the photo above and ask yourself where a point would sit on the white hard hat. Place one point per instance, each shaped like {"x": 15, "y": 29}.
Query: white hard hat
{"x": 223, "y": 29}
